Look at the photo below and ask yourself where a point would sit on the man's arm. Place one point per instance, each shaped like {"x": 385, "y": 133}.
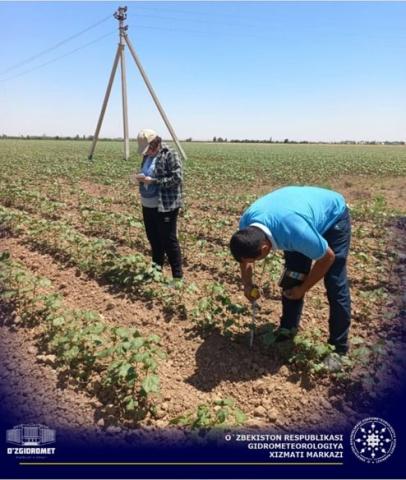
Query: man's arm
{"x": 319, "y": 269}
{"x": 247, "y": 269}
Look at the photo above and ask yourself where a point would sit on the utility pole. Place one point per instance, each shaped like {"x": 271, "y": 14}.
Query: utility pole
{"x": 121, "y": 16}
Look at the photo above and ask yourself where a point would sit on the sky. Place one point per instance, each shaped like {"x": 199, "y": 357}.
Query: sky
{"x": 316, "y": 71}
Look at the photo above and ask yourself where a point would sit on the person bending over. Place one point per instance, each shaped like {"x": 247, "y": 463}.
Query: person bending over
{"x": 312, "y": 226}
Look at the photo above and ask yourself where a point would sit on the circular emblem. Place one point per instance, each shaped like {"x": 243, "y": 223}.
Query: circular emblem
{"x": 373, "y": 440}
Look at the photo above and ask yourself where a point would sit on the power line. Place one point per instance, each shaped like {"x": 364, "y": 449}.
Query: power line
{"x": 201, "y": 16}
{"x": 54, "y": 47}
{"x": 208, "y": 22}
{"x": 321, "y": 30}
{"x": 91, "y": 43}
{"x": 58, "y": 58}
{"x": 280, "y": 24}
{"x": 199, "y": 32}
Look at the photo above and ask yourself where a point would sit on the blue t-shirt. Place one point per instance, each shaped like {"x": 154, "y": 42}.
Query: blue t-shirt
{"x": 295, "y": 218}
{"x": 148, "y": 169}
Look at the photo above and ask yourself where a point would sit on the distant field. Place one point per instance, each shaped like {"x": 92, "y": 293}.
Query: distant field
{"x": 131, "y": 349}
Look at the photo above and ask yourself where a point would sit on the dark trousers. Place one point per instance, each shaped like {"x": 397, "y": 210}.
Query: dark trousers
{"x": 162, "y": 235}
{"x": 335, "y": 281}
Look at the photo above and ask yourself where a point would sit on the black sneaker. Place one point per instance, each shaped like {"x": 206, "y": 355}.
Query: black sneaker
{"x": 284, "y": 334}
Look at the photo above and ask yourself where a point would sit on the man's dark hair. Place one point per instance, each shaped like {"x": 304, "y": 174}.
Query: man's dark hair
{"x": 246, "y": 243}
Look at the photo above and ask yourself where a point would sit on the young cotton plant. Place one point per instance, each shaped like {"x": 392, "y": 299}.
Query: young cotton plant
{"x": 26, "y": 292}
{"x": 216, "y": 309}
{"x": 131, "y": 362}
{"x": 220, "y": 413}
{"x": 133, "y": 271}
{"x": 91, "y": 255}
{"x": 175, "y": 296}
{"x": 74, "y": 337}
{"x": 309, "y": 351}
{"x": 118, "y": 360}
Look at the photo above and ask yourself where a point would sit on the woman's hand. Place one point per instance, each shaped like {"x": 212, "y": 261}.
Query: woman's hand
{"x": 137, "y": 178}
{"x": 148, "y": 180}
{"x": 141, "y": 178}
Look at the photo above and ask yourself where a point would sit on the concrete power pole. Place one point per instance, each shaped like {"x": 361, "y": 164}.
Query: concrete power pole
{"x": 121, "y": 16}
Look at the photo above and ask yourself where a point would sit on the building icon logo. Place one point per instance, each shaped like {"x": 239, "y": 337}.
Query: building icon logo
{"x": 373, "y": 440}
{"x": 30, "y": 435}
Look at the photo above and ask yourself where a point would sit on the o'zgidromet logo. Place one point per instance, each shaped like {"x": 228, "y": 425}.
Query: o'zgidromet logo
{"x": 30, "y": 440}
{"x": 373, "y": 440}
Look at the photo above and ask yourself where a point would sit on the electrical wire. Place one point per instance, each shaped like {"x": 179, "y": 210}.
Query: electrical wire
{"x": 194, "y": 13}
{"x": 155, "y": 27}
{"x": 263, "y": 35}
{"x": 161, "y": 14}
{"x": 58, "y": 58}
{"x": 54, "y": 47}
{"x": 195, "y": 20}
{"x": 95, "y": 41}
{"x": 199, "y": 32}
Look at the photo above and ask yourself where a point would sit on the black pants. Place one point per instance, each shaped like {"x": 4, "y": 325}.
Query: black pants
{"x": 162, "y": 236}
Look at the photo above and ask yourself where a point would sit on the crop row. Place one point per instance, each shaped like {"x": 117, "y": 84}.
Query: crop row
{"x": 209, "y": 169}
{"x": 207, "y": 305}
{"x": 94, "y": 221}
{"x": 91, "y": 218}
{"x": 99, "y": 258}
{"x": 117, "y": 364}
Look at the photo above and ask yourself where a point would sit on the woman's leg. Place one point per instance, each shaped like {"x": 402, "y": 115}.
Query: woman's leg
{"x": 168, "y": 230}
{"x": 151, "y": 221}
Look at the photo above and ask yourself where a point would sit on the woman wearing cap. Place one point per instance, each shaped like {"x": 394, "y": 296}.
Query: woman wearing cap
{"x": 160, "y": 182}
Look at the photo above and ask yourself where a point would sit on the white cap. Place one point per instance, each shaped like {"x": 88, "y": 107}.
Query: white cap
{"x": 144, "y": 138}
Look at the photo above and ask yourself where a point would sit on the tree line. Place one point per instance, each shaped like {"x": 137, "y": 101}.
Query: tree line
{"x": 214, "y": 140}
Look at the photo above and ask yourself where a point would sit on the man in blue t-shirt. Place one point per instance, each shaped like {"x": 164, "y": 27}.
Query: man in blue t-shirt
{"x": 310, "y": 225}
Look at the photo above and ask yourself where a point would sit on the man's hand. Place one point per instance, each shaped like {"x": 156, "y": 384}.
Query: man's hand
{"x": 295, "y": 293}
{"x": 319, "y": 269}
{"x": 251, "y": 293}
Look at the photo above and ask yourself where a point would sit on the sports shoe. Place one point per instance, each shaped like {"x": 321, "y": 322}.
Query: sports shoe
{"x": 284, "y": 334}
